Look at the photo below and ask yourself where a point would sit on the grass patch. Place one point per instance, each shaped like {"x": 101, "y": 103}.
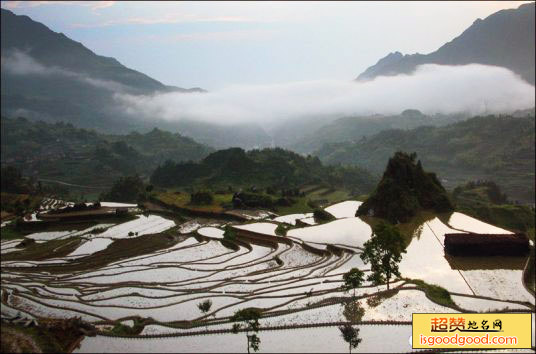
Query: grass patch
{"x": 375, "y": 300}
{"x": 10, "y": 232}
{"x": 42, "y": 251}
{"x": 122, "y": 329}
{"x": 42, "y": 338}
{"x": 10, "y": 202}
{"x": 281, "y": 230}
{"x": 435, "y": 293}
{"x": 119, "y": 249}
{"x": 182, "y": 200}
{"x": 297, "y": 208}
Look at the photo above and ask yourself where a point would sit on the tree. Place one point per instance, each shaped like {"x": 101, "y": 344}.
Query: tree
{"x": 350, "y": 336}
{"x": 229, "y": 234}
{"x": 248, "y": 319}
{"x": 201, "y": 198}
{"x": 353, "y": 312}
{"x": 322, "y": 215}
{"x": 353, "y": 279}
{"x": 384, "y": 251}
{"x": 204, "y": 306}
{"x": 126, "y": 190}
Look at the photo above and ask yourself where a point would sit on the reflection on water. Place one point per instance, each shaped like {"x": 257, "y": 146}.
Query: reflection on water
{"x": 376, "y": 338}
{"x": 494, "y": 262}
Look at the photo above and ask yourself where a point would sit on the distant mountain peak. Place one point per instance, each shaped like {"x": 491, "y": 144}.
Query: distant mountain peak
{"x": 505, "y": 38}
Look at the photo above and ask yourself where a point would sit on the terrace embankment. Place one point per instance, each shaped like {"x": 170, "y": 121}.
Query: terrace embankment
{"x": 198, "y": 212}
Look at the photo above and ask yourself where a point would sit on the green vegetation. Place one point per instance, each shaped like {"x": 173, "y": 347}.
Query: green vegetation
{"x": 182, "y": 200}
{"x": 404, "y": 189}
{"x": 384, "y": 251}
{"x": 281, "y": 230}
{"x": 61, "y": 152}
{"x": 353, "y": 280}
{"x": 10, "y": 232}
{"x": 19, "y": 204}
{"x": 248, "y": 319}
{"x": 42, "y": 251}
{"x": 229, "y": 234}
{"x": 119, "y": 249}
{"x": 204, "y": 306}
{"x": 37, "y": 339}
{"x": 350, "y": 336}
{"x": 435, "y": 293}
{"x": 201, "y": 198}
{"x": 321, "y": 215}
{"x": 355, "y": 128}
{"x": 485, "y": 201}
{"x": 122, "y": 329}
{"x": 499, "y": 148}
{"x": 276, "y": 168}
{"x": 353, "y": 312}
{"x": 252, "y": 200}
{"x": 129, "y": 189}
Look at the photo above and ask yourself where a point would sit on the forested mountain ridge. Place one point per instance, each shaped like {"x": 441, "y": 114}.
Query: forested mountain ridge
{"x": 499, "y": 148}
{"x": 505, "y": 38}
{"x": 63, "y": 152}
{"x": 352, "y": 129}
{"x": 275, "y": 168}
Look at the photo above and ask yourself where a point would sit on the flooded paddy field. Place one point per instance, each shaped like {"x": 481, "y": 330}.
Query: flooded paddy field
{"x": 157, "y": 270}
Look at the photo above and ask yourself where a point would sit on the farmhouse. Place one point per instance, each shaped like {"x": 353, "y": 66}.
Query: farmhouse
{"x": 471, "y": 244}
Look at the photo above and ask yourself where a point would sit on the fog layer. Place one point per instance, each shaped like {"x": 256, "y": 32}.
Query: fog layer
{"x": 474, "y": 88}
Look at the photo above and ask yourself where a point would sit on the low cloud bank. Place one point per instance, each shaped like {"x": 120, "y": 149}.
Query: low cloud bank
{"x": 19, "y": 63}
{"x": 474, "y": 88}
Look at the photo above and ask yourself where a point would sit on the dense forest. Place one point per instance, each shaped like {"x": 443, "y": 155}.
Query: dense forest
{"x": 492, "y": 147}
{"x": 61, "y": 151}
{"x": 405, "y": 188}
{"x": 276, "y": 168}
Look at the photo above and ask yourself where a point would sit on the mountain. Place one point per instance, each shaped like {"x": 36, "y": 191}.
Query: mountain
{"x": 57, "y": 50}
{"x": 354, "y": 128}
{"x": 47, "y": 76}
{"x": 493, "y": 148}
{"x": 62, "y": 152}
{"x": 505, "y": 38}
{"x": 405, "y": 188}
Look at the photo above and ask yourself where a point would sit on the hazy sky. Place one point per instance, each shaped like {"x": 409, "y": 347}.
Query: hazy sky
{"x": 219, "y": 44}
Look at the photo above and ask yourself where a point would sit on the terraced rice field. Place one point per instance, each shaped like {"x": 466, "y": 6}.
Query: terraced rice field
{"x": 296, "y": 280}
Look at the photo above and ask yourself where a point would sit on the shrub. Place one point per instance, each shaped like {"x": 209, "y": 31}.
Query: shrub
{"x": 201, "y": 198}
{"x": 322, "y": 215}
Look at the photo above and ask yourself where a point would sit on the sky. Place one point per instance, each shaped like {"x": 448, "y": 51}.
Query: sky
{"x": 217, "y": 45}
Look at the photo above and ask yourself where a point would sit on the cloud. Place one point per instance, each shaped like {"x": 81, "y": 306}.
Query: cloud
{"x": 94, "y": 5}
{"x": 237, "y": 35}
{"x": 172, "y": 18}
{"x": 19, "y": 63}
{"x": 474, "y": 89}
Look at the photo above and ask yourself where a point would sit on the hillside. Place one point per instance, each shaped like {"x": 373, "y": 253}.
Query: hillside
{"x": 47, "y": 76}
{"x": 497, "y": 148}
{"x": 485, "y": 201}
{"x": 62, "y": 152}
{"x": 505, "y": 38}
{"x": 275, "y": 168}
{"x": 405, "y": 189}
{"x": 354, "y": 128}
